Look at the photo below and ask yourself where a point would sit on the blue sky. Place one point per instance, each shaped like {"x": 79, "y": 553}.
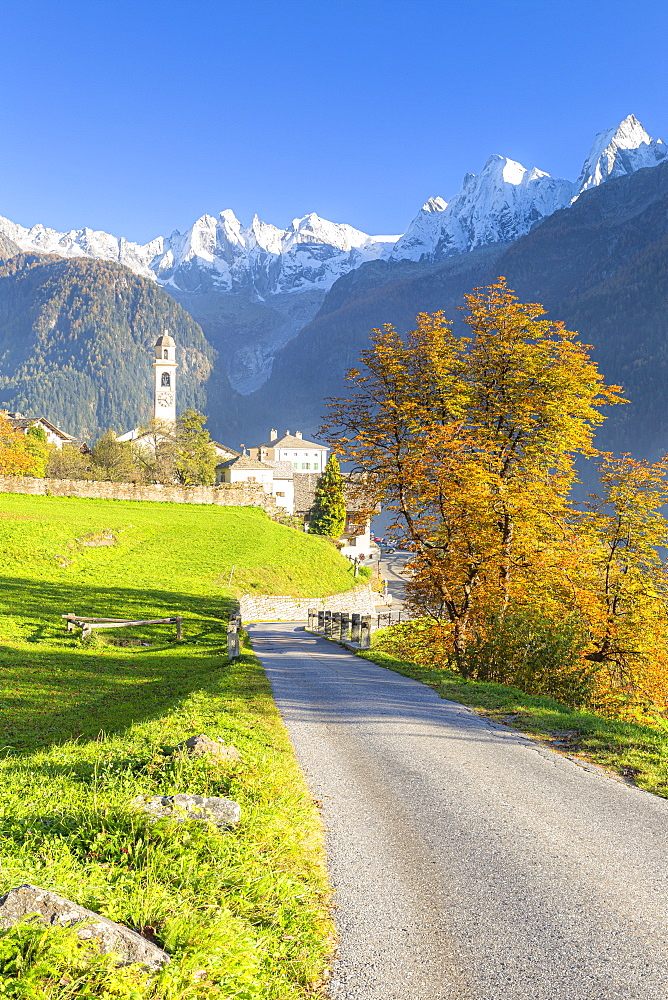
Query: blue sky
{"x": 137, "y": 117}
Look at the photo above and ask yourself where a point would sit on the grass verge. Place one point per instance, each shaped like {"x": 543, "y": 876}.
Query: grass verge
{"x": 636, "y": 752}
{"x": 243, "y": 914}
{"x": 84, "y": 728}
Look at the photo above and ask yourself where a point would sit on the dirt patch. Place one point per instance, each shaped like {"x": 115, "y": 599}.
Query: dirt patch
{"x": 97, "y": 539}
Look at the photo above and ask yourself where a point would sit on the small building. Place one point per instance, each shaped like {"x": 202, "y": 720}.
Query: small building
{"x": 245, "y": 469}
{"x": 304, "y": 456}
{"x": 54, "y": 435}
{"x": 223, "y": 452}
{"x": 283, "y": 487}
{"x": 275, "y": 478}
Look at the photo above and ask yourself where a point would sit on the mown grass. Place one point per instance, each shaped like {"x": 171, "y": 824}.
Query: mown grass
{"x": 84, "y": 729}
{"x": 636, "y": 752}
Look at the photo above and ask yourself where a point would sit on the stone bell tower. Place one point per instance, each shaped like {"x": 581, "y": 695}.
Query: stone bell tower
{"x": 164, "y": 380}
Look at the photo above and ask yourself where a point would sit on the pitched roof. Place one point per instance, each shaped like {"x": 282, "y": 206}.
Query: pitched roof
{"x": 223, "y": 447}
{"x": 305, "y": 487}
{"x": 23, "y": 423}
{"x": 290, "y": 441}
{"x": 282, "y": 470}
{"x": 245, "y": 462}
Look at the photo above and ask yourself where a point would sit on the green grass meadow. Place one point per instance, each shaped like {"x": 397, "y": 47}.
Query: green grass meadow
{"x": 86, "y": 727}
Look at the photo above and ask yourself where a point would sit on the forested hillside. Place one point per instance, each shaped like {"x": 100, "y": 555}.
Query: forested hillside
{"x": 76, "y": 343}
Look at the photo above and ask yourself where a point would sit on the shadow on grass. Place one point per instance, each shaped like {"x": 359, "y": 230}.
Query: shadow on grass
{"x": 53, "y": 688}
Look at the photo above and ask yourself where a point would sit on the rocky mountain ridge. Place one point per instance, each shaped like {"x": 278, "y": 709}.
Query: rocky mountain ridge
{"x": 259, "y": 261}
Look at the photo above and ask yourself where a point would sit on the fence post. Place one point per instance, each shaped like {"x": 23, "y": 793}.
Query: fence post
{"x": 345, "y": 625}
{"x": 233, "y": 637}
{"x": 312, "y": 618}
{"x": 328, "y": 622}
{"x": 336, "y": 625}
{"x": 355, "y": 628}
{"x": 365, "y": 632}
{"x": 321, "y": 621}
{"x": 179, "y": 619}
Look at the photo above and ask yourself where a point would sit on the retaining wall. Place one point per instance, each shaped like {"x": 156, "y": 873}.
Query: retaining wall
{"x": 361, "y": 600}
{"x": 225, "y": 495}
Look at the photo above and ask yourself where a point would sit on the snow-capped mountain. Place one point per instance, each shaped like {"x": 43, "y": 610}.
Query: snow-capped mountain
{"x": 500, "y": 204}
{"x": 260, "y": 259}
{"x": 619, "y": 151}
{"x": 506, "y": 200}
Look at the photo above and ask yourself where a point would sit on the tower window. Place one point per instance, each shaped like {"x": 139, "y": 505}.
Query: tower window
{"x": 165, "y": 353}
{"x": 165, "y": 379}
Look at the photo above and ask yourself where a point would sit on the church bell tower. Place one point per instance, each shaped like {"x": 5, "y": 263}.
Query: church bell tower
{"x": 164, "y": 380}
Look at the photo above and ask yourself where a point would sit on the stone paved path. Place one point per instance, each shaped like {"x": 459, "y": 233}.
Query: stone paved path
{"x": 467, "y": 861}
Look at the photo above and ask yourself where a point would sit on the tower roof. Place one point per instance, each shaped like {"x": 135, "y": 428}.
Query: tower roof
{"x": 164, "y": 340}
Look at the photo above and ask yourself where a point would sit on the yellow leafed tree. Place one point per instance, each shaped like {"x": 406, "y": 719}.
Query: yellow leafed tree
{"x": 471, "y": 442}
{"x": 16, "y": 456}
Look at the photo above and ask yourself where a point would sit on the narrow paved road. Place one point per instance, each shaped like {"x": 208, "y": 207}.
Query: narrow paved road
{"x": 392, "y": 568}
{"x": 467, "y": 861}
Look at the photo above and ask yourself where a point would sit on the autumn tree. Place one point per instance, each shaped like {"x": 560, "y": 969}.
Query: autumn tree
{"x": 156, "y": 452}
{"x": 328, "y": 514}
{"x": 114, "y": 460}
{"x": 627, "y": 595}
{"x": 68, "y": 462}
{"x": 470, "y": 441}
{"x": 17, "y": 458}
{"x": 38, "y": 447}
{"x": 180, "y": 453}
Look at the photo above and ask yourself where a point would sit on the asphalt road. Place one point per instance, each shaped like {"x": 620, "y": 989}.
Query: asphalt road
{"x": 392, "y": 568}
{"x": 468, "y": 861}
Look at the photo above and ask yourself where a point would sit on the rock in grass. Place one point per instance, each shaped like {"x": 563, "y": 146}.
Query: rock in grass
{"x": 223, "y": 813}
{"x": 50, "y": 908}
{"x": 204, "y": 746}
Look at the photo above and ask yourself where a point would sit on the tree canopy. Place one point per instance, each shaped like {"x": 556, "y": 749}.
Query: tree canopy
{"x": 471, "y": 443}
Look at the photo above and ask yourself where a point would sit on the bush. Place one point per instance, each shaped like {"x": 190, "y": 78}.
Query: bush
{"x": 527, "y": 651}
{"x": 535, "y": 654}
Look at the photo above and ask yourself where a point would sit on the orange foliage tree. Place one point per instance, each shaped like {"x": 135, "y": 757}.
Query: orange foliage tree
{"x": 627, "y": 581}
{"x": 470, "y": 441}
{"x": 17, "y": 458}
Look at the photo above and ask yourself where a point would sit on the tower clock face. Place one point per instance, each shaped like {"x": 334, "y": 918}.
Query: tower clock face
{"x": 165, "y": 399}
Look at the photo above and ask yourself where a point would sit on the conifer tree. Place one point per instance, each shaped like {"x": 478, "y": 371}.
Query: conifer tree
{"x": 328, "y": 514}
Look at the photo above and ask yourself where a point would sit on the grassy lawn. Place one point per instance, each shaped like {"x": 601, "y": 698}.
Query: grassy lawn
{"x": 638, "y": 753}
{"x": 85, "y": 728}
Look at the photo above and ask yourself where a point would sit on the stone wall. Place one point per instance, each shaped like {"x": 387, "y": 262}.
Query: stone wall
{"x": 225, "y": 495}
{"x": 361, "y": 600}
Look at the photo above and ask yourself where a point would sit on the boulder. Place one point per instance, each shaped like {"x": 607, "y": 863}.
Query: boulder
{"x": 223, "y": 813}
{"x": 50, "y": 908}
{"x": 204, "y": 746}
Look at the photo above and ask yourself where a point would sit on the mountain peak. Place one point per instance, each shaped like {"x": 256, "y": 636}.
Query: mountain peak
{"x": 618, "y": 151}
{"x": 434, "y": 205}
